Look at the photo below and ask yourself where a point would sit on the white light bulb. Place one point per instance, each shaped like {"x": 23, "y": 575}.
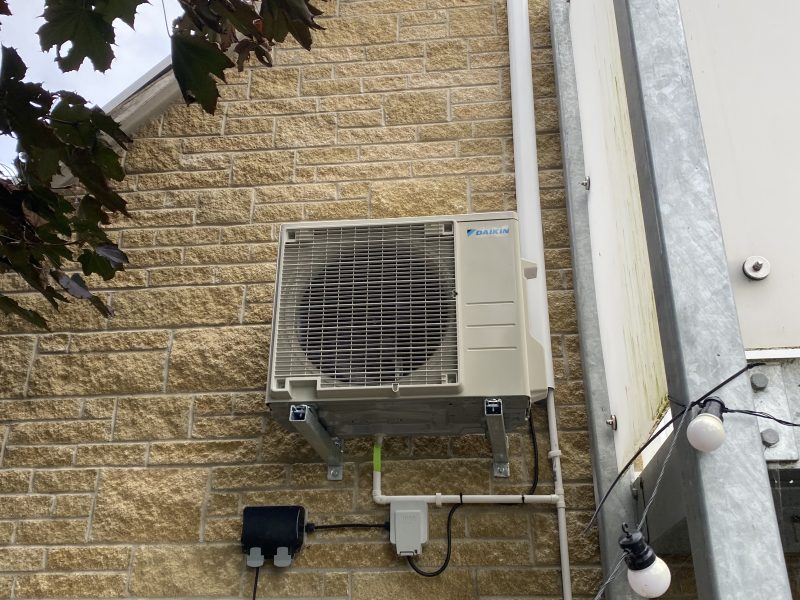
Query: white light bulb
{"x": 652, "y": 581}
{"x": 706, "y": 432}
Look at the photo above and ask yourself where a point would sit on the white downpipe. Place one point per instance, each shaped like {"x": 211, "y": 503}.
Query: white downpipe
{"x": 526, "y": 176}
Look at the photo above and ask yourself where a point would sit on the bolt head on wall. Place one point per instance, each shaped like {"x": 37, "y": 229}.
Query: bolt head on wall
{"x": 756, "y": 268}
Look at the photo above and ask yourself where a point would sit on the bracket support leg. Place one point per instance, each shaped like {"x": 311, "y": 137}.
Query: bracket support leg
{"x": 496, "y": 432}
{"x": 304, "y": 419}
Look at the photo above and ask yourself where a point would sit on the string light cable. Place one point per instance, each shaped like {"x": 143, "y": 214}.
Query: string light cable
{"x": 614, "y": 574}
{"x": 618, "y": 567}
{"x": 647, "y": 573}
{"x": 672, "y": 444}
{"x": 658, "y": 432}
{"x": 169, "y": 34}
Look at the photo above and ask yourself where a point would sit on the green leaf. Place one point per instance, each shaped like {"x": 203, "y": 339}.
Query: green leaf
{"x": 110, "y": 127}
{"x": 108, "y": 161}
{"x": 301, "y": 33}
{"x": 113, "y": 254}
{"x": 54, "y": 208}
{"x": 299, "y": 10}
{"x": 119, "y": 9}
{"x": 194, "y": 61}
{"x": 71, "y": 122}
{"x": 94, "y": 263}
{"x": 282, "y": 17}
{"x": 12, "y": 307}
{"x": 101, "y": 306}
{"x": 75, "y": 285}
{"x": 12, "y": 69}
{"x": 201, "y": 15}
{"x": 241, "y": 15}
{"x": 91, "y": 211}
{"x": 82, "y": 164}
{"x": 43, "y": 164}
{"x": 4, "y": 8}
{"x": 79, "y": 23}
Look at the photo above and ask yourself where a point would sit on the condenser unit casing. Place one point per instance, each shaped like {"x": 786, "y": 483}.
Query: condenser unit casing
{"x": 403, "y": 326}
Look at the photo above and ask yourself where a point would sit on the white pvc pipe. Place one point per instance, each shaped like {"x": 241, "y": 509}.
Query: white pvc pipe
{"x": 526, "y": 174}
{"x": 561, "y": 507}
{"x": 440, "y": 499}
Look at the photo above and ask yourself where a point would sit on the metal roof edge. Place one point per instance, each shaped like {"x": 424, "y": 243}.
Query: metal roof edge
{"x": 145, "y": 98}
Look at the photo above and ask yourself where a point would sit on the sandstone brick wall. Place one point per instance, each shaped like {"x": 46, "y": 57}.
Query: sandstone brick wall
{"x": 129, "y": 446}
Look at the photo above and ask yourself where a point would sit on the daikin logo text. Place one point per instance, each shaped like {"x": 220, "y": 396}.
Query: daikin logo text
{"x": 488, "y": 231}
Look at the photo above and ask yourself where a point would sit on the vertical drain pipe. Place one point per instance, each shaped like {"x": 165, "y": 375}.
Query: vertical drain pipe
{"x": 526, "y": 176}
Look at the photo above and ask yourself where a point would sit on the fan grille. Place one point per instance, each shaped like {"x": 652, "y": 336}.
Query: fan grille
{"x": 369, "y": 305}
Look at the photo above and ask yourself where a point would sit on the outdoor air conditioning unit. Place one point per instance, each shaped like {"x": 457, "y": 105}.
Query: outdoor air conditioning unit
{"x": 402, "y": 326}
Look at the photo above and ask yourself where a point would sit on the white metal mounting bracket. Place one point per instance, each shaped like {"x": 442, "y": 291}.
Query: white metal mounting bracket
{"x": 496, "y": 432}
{"x": 304, "y": 419}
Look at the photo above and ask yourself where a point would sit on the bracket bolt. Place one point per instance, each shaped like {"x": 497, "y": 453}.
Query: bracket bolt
{"x": 759, "y": 381}
{"x": 770, "y": 437}
{"x": 587, "y": 182}
{"x": 612, "y": 422}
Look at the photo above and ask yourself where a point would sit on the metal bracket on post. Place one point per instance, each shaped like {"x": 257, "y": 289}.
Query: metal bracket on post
{"x": 496, "y": 432}
{"x": 305, "y": 421}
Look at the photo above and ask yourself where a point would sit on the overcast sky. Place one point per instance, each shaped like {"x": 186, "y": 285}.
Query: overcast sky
{"x": 136, "y": 53}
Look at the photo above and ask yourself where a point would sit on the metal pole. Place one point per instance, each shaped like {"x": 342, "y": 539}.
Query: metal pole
{"x": 733, "y": 531}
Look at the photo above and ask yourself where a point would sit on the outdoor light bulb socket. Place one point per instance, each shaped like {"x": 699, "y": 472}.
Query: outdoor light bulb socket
{"x": 706, "y": 431}
{"x": 648, "y": 575}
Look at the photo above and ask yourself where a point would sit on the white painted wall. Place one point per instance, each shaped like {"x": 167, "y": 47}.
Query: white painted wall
{"x": 745, "y": 58}
{"x": 628, "y": 323}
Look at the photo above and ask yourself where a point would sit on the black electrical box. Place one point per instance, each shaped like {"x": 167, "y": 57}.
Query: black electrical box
{"x": 272, "y": 532}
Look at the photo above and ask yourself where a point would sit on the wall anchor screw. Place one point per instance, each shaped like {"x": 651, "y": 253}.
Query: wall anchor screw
{"x": 612, "y": 422}
{"x": 587, "y": 182}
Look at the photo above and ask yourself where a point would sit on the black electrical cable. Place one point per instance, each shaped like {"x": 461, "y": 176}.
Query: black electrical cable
{"x": 535, "y": 481}
{"x": 534, "y": 485}
{"x": 312, "y": 527}
{"x": 661, "y": 430}
{"x": 446, "y": 562}
{"x": 255, "y": 585}
{"x": 756, "y": 413}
